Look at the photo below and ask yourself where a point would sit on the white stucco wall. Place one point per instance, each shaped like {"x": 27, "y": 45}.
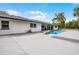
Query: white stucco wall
{"x": 38, "y": 27}
{"x": 0, "y": 25}
{"x": 55, "y": 28}
{"x": 17, "y": 26}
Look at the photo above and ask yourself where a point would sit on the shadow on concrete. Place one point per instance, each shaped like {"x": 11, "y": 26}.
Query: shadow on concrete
{"x": 20, "y": 34}
{"x": 67, "y": 39}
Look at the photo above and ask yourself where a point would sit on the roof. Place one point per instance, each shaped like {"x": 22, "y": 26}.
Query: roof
{"x": 22, "y": 19}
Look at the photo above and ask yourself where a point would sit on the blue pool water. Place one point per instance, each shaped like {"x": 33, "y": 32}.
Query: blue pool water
{"x": 55, "y": 32}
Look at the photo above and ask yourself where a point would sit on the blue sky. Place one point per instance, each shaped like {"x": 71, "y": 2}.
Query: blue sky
{"x": 39, "y": 11}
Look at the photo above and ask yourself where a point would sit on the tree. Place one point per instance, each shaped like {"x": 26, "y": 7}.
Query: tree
{"x": 76, "y": 12}
{"x": 77, "y": 23}
{"x": 74, "y": 24}
{"x": 59, "y": 19}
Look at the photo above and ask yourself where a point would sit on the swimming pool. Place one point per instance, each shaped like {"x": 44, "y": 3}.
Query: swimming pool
{"x": 55, "y": 32}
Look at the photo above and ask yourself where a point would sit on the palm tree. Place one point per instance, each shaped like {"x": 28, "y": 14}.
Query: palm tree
{"x": 76, "y": 12}
{"x": 59, "y": 19}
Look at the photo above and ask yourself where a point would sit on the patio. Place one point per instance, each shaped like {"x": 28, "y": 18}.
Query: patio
{"x": 40, "y": 44}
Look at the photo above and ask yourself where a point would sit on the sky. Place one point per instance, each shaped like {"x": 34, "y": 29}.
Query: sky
{"x": 39, "y": 11}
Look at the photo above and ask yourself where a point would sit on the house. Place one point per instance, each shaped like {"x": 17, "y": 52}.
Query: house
{"x": 10, "y": 24}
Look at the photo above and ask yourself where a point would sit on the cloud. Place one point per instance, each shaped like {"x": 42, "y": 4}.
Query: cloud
{"x": 37, "y": 15}
{"x": 12, "y": 12}
{"x": 34, "y": 14}
{"x": 71, "y": 19}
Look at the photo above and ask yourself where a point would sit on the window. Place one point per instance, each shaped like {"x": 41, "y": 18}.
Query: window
{"x": 33, "y": 25}
{"x": 51, "y": 27}
{"x": 48, "y": 27}
{"x": 4, "y": 25}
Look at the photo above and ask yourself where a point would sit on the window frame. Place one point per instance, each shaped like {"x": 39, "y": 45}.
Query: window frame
{"x": 4, "y": 25}
{"x": 32, "y": 25}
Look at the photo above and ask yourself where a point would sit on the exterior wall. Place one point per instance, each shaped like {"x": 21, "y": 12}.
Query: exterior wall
{"x": 17, "y": 26}
{"x": 0, "y": 26}
{"x": 37, "y": 29}
{"x": 55, "y": 28}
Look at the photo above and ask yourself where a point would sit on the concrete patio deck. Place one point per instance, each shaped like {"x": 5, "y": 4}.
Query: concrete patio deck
{"x": 39, "y": 44}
